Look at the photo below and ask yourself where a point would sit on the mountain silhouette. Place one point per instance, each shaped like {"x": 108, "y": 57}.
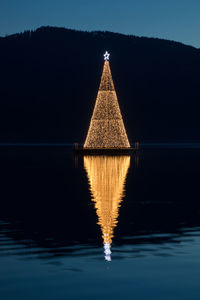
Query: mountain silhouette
{"x": 50, "y": 77}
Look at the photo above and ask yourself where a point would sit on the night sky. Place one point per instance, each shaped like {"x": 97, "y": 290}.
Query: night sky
{"x": 170, "y": 19}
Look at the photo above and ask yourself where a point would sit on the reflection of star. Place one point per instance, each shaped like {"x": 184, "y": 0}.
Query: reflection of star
{"x": 106, "y": 55}
{"x": 107, "y": 251}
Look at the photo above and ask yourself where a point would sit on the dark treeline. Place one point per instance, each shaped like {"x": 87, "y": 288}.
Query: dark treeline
{"x": 49, "y": 80}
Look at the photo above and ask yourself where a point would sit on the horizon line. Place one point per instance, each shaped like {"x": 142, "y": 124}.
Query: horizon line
{"x": 99, "y": 30}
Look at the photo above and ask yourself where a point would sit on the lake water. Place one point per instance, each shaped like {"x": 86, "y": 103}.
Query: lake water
{"x": 98, "y": 227}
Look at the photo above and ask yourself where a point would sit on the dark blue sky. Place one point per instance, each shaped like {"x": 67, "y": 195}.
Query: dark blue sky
{"x": 170, "y": 19}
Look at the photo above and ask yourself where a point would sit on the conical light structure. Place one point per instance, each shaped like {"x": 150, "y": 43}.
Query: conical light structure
{"x": 107, "y": 175}
{"x": 106, "y": 128}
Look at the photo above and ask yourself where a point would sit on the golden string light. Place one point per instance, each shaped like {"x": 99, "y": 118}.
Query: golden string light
{"x": 106, "y": 128}
{"x": 107, "y": 175}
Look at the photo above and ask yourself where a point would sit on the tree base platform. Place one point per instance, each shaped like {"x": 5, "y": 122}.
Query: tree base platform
{"x": 104, "y": 151}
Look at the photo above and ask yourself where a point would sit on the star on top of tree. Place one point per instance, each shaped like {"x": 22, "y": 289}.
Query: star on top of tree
{"x": 106, "y": 55}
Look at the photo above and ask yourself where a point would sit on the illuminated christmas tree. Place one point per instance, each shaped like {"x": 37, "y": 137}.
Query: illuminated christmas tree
{"x": 106, "y": 128}
{"x": 107, "y": 176}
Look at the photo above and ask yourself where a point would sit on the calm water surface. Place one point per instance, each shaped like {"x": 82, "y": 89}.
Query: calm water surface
{"x": 98, "y": 227}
